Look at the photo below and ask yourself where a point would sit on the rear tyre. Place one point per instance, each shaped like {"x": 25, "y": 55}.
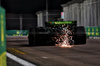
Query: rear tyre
{"x": 80, "y": 36}
{"x": 31, "y": 40}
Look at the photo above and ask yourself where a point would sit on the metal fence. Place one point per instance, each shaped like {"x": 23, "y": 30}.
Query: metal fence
{"x": 20, "y": 21}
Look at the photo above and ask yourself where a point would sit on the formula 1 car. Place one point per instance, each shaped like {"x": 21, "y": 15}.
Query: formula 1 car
{"x": 57, "y": 32}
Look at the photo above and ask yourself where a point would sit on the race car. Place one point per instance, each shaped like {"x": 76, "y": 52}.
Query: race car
{"x": 57, "y": 32}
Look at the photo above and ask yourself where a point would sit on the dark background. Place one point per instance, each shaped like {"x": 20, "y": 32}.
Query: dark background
{"x": 28, "y": 9}
{"x": 30, "y": 6}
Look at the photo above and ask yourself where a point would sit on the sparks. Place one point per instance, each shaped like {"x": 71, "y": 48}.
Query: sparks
{"x": 65, "y": 40}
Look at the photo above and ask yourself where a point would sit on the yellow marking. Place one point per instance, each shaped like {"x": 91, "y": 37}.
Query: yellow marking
{"x": 16, "y": 51}
{"x": 97, "y": 33}
{"x": 2, "y": 30}
{"x": 97, "y": 29}
{"x": 13, "y": 34}
{"x": 3, "y": 59}
{"x": 93, "y": 29}
{"x": 1, "y": 16}
{"x": 17, "y": 32}
{"x": 92, "y": 33}
{"x": 89, "y": 33}
{"x": 88, "y": 29}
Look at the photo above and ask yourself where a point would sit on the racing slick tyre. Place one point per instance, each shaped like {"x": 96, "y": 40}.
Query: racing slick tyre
{"x": 31, "y": 40}
{"x": 80, "y": 36}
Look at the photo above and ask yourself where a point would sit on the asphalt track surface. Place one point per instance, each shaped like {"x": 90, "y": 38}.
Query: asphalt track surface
{"x": 10, "y": 62}
{"x": 79, "y": 55}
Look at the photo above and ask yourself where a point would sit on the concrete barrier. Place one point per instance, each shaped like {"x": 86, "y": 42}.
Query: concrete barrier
{"x": 2, "y": 38}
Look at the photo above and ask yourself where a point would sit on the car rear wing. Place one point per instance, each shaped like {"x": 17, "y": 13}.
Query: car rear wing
{"x": 60, "y": 23}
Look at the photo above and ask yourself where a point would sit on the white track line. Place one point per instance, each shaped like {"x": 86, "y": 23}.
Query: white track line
{"x": 19, "y": 60}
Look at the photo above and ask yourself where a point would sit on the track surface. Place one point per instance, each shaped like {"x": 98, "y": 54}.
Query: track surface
{"x": 81, "y": 55}
{"x": 10, "y": 62}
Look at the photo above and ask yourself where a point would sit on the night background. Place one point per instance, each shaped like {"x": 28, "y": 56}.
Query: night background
{"x": 30, "y": 6}
{"x": 27, "y": 10}
{"x": 67, "y": 33}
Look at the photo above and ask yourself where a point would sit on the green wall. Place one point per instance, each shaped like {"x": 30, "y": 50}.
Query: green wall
{"x": 90, "y": 31}
{"x": 17, "y": 33}
{"x": 93, "y": 31}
